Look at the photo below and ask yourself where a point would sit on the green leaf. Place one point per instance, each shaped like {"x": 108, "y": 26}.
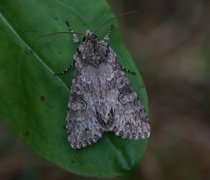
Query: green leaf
{"x": 33, "y": 101}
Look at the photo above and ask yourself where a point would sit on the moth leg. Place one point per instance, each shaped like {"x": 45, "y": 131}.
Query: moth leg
{"x": 106, "y": 37}
{"x": 64, "y": 71}
{"x": 127, "y": 70}
{"x": 74, "y": 35}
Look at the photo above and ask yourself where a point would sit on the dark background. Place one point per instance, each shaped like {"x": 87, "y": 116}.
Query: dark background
{"x": 170, "y": 43}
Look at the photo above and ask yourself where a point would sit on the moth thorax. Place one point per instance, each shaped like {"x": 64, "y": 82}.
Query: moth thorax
{"x": 95, "y": 52}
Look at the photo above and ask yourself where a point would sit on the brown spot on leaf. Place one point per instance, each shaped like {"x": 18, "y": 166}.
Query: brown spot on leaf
{"x": 27, "y": 133}
{"x": 142, "y": 86}
{"x": 42, "y": 98}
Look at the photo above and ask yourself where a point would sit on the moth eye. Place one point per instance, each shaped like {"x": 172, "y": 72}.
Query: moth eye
{"x": 95, "y": 36}
{"x": 84, "y": 38}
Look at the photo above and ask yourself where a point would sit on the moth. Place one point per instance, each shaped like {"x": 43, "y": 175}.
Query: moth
{"x": 101, "y": 99}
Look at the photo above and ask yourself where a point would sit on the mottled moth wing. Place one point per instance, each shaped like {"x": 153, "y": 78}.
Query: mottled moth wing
{"x": 130, "y": 118}
{"x": 82, "y": 126}
{"x": 102, "y": 98}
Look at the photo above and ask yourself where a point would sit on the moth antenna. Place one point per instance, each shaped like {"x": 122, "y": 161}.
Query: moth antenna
{"x": 114, "y": 18}
{"x": 57, "y": 33}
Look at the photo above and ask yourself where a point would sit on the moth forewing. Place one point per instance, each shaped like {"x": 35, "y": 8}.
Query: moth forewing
{"x": 102, "y": 98}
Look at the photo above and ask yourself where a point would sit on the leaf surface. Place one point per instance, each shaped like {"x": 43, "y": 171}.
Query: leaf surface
{"x": 33, "y": 101}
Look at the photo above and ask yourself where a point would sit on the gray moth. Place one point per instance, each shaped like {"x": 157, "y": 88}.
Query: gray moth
{"x": 102, "y": 99}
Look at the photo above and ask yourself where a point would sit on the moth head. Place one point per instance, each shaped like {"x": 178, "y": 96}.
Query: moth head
{"x": 93, "y": 50}
{"x": 89, "y": 36}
